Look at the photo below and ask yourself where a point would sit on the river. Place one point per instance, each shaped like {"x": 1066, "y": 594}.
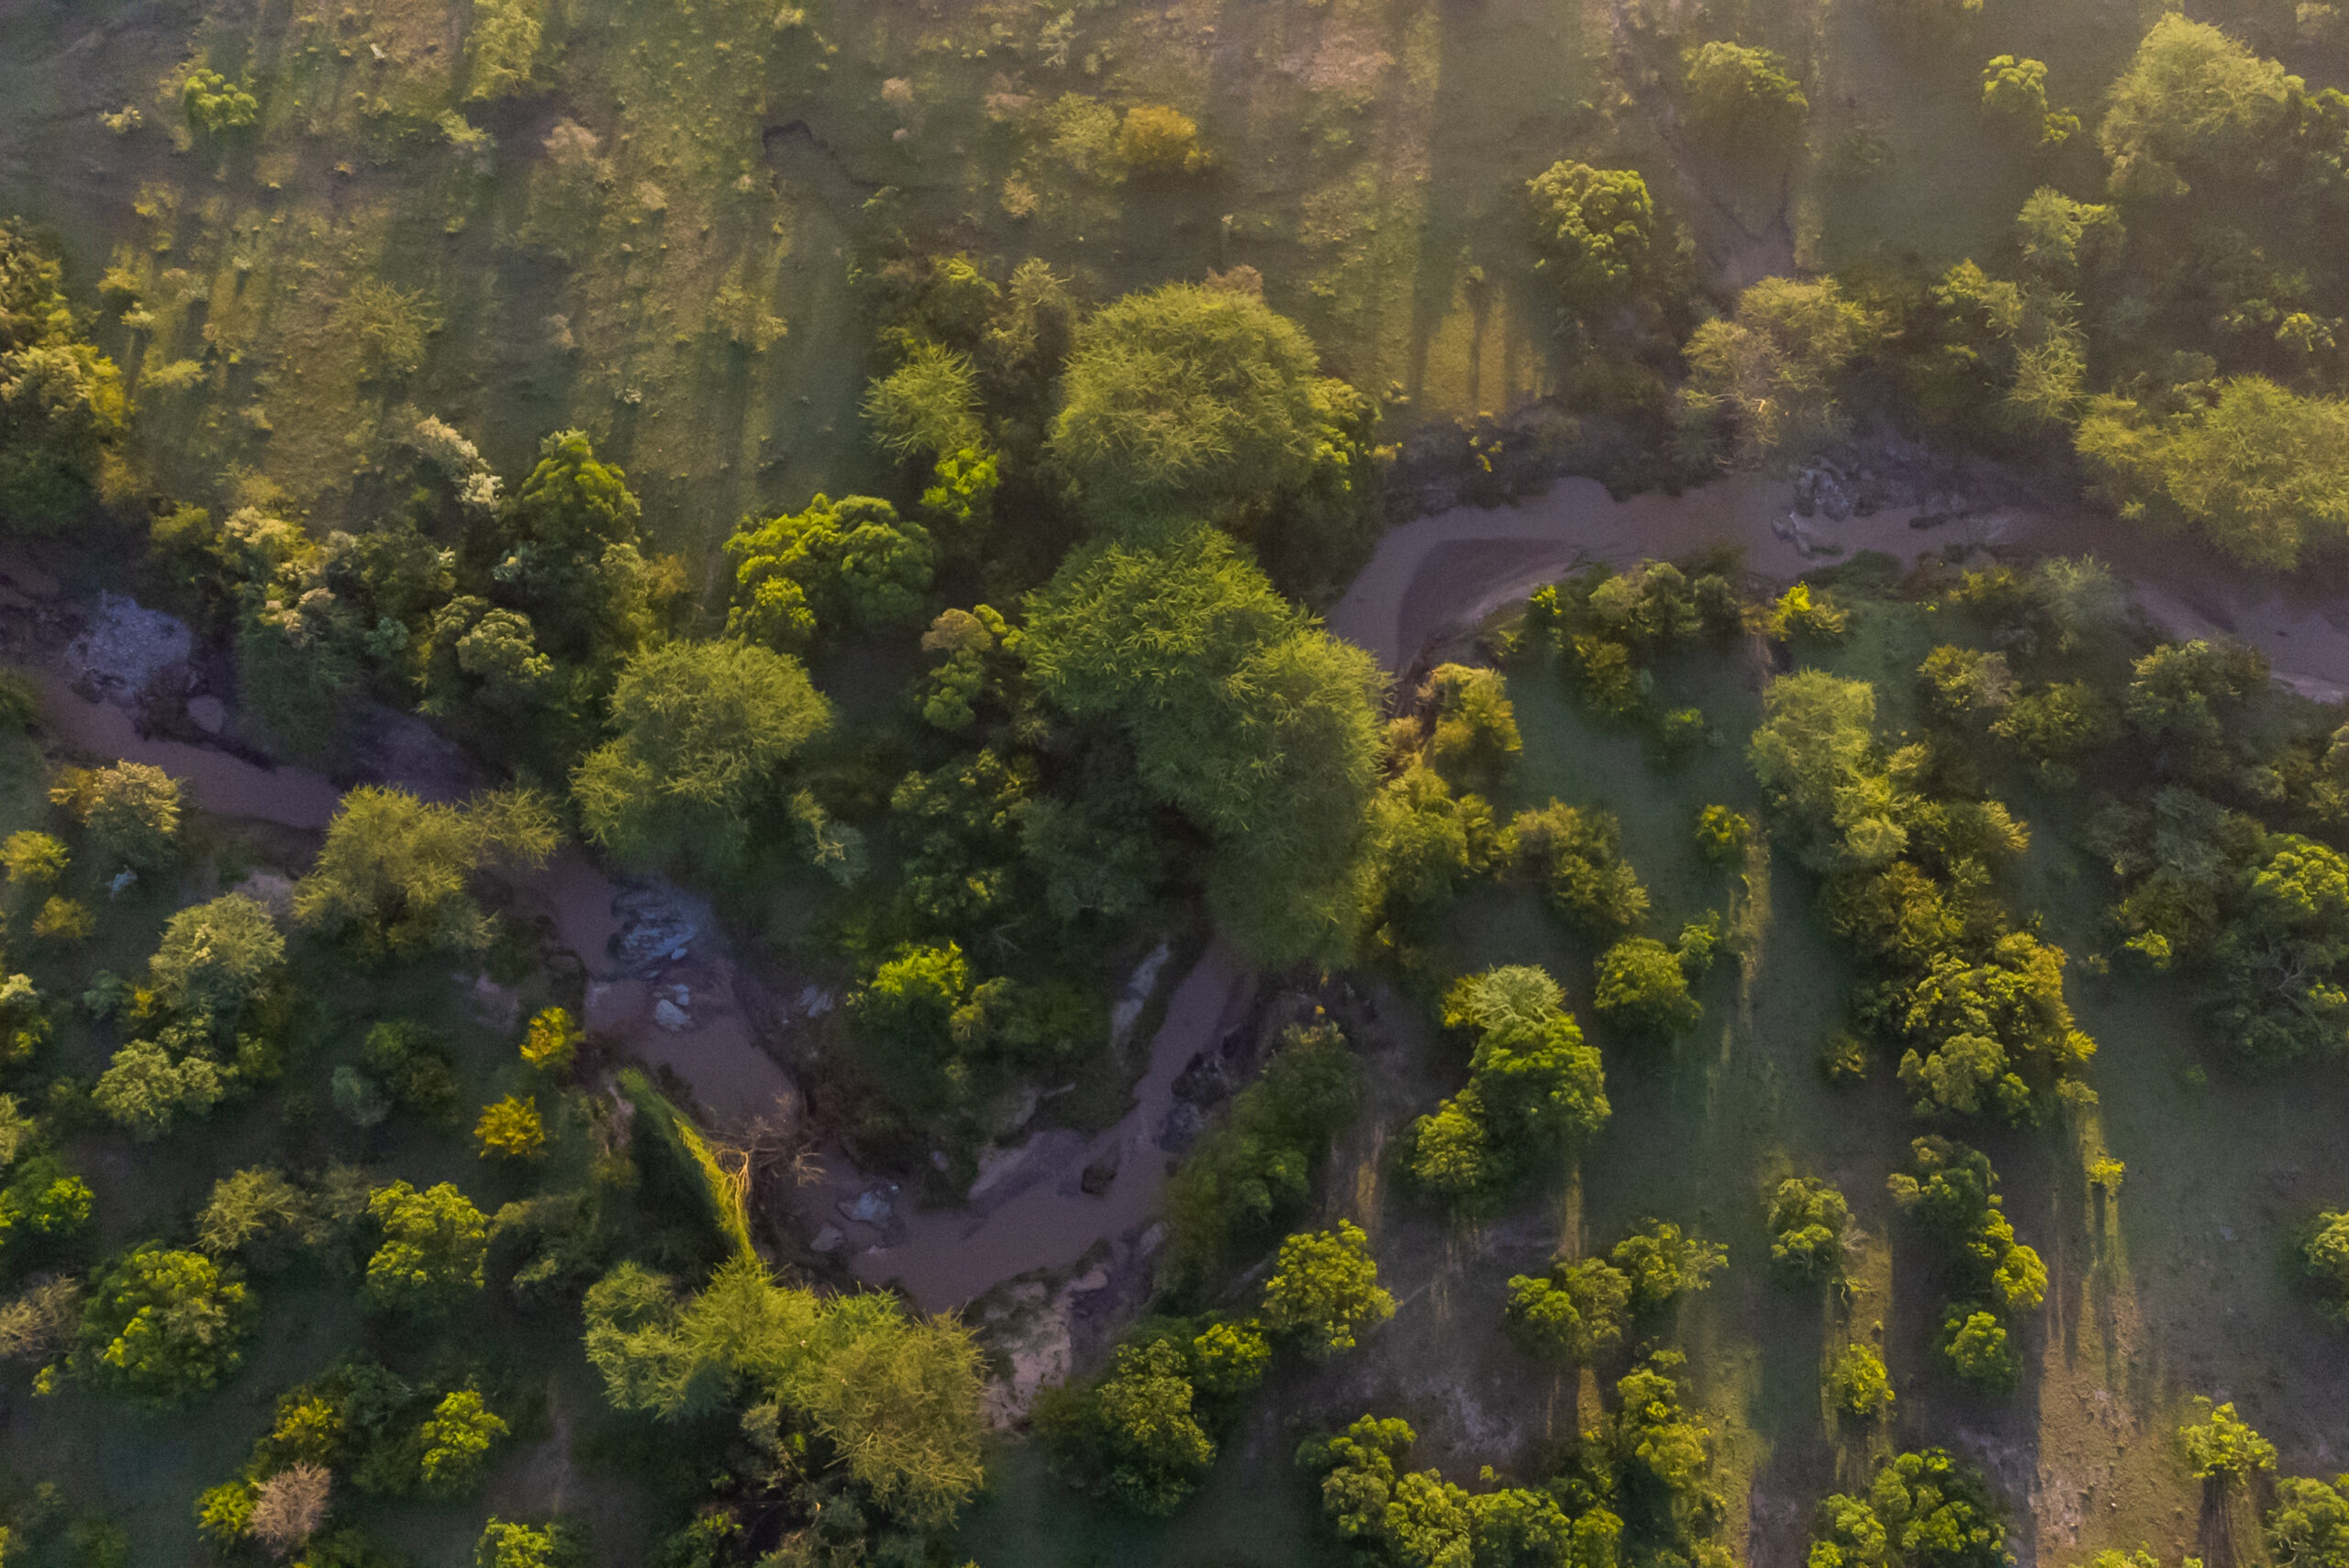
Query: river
{"x": 1439, "y": 574}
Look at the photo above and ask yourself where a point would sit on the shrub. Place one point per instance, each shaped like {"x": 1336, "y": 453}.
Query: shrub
{"x": 2223, "y": 1447}
{"x": 1643, "y": 991}
{"x": 1722, "y": 834}
{"x": 1155, "y": 139}
{"x": 289, "y": 1507}
{"x": 512, "y": 1130}
{"x": 1975, "y": 1344}
{"x": 1808, "y": 1219}
{"x": 214, "y": 105}
{"x": 1859, "y": 1384}
{"x": 457, "y": 1441}
{"x": 552, "y": 1040}
{"x": 1572, "y": 1316}
{"x": 131, "y": 810}
{"x": 1324, "y": 1288}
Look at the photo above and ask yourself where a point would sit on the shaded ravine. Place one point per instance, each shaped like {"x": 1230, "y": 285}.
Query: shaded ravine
{"x": 1445, "y": 572}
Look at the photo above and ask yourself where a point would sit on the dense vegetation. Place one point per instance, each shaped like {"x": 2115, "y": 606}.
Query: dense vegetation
{"x": 871, "y": 479}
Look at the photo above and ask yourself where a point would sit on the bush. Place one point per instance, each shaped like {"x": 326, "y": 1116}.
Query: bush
{"x": 1324, "y": 1288}
{"x": 1576, "y": 853}
{"x": 1155, "y": 139}
{"x": 1859, "y": 1383}
{"x": 1642, "y": 990}
{"x": 216, "y": 959}
{"x": 1664, "y": 1264}
{"x": 1975, "y": 1343}
{"x": 457, "y": 1441}
{"x": 511, "y": 1129}
{"x": 1808, "y": 1219}
{"x": 1574, "y": 1314}
{"x": 1722, "y": 834}
{"x": 1595, "y": 231}
{"x": 394, "y": 875}
{"x": 131, "y": 810}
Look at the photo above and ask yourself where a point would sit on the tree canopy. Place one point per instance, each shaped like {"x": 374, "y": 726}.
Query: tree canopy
{"x": 700, "y": 729}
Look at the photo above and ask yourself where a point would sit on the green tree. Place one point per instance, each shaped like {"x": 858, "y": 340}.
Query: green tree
{"x": 1537, "y": 1083}
{"x": 1243, "y": 714}
{"x": 2309, "y": 1527}
{"x": 1762, "y": 383}
{"x": 431, "y": 1255}
{"x": 507, "y": 1544}
{"x": 570, "y": 558}
{"x": 838, "y": 566}
{"x": 255, "y": 1213}
{"x": 1976, "y": 1346}
{"x": 215, "y": 105}
{"x": 1572, "y": 1316}
{"x": 1577, "y": 853}
{"x": 1859, "y": 1383}
{"x": 1158, "y": 1449}
{"x": 1807, "y": 1221}
{"x": 216, "y": 959}
{"x": 929, "y": 406}
{"x": 1814, "y": 753}
{"x": 482, "y": 663}
{"x": 457, "y": 1441}
{"x": 33, "y": 859}
{"x": 2261, "y": 473}
{"x": 131, "y": 810}
{"x": 2222, "y": 1447}
{"x": 1741, "y": 100}
{"x": 395, "y": 874}
{"x": 500, "y": 46}
{"x": 1189, "y": 399}
{"x": 1596, "y": 233}
{"x": 162, "y": 1325}
{"x": 2192, "y": 100}
{"x": 145, "y": 1092}
{"x": 61, "y": 403}
{"x": 1325, "y": 1288}
{"x": 1722, "y": 834}
{"x": 2326, "y": 1255}
{"x": 700, "y": 731}
{"x": 1643, "y": 991}
{"x": 1662, "y": 1262}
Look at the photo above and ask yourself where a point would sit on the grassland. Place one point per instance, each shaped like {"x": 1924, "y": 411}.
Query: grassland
{"x": 655, "y": 238}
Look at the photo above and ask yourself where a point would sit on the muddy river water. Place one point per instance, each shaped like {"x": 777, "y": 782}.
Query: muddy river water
{"x": 1439, "y": 574}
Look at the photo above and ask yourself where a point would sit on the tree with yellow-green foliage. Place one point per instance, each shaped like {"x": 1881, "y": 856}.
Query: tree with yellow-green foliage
{"x": 61, "y": 403}
{"x": 131, "y": 811}
{"x": 551, "y": 1039}
{"x": 700, "y": 733}
{"x": 511, "y": 1128}
{"x": 1324, "y": 1290}
{"x": 2261, "y": 473}
{"x": 1762, "y": 382}
{"x": 395, "y": 874}
{"x": 434, "y": 1245}
{"x": 500, "y": 46}
{"x": 2192, "y": 101}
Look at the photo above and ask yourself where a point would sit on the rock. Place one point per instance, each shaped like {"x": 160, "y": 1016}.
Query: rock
{"x": 657, "y": 922}
{"x": 1182, "y": 1128}
{"x": 128, "y": 647}
{"x": 938, "y": 1160}
{"x": 124, "y": 880}
{"x": 871, "y": 1206}
{"x": 815, "y": 1002}
{"x": 1100, "y": 1173}
{"x": 1136, "y": 995}
{"x": 671, "y": 1016}
{"x": 207, "y": 713}
{"x": 830, "y": 1238}
{"x": 1014, "y": 1110}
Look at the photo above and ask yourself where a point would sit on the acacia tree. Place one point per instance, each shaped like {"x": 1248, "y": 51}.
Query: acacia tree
{"x": 1244, "y": 715}
{"x": 1762, "y": 382}
{"x": 434, "y": 1245}
{"x": 701, "y": 729}
{"x": 395, "y": 873}
{"x": 1325, "y": 1289}
{"x": 163, "y": 1326}
{"x": 1596, "y": 234}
